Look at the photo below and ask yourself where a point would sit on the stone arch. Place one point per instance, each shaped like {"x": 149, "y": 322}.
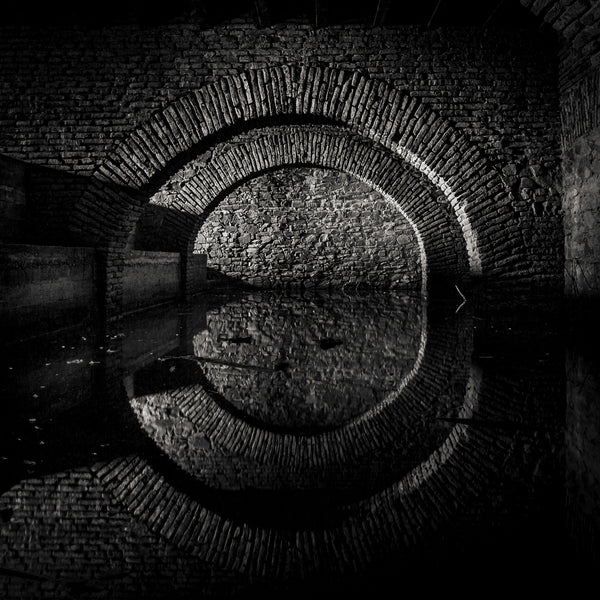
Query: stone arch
{"x": 382, "y": 424}
{"x": 368, "y": 107}
{"x": 202, "y": 184}
{"x": 398, "y": 516}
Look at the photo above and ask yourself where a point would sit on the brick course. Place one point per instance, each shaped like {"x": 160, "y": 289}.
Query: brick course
{"x": 474, "y": 111}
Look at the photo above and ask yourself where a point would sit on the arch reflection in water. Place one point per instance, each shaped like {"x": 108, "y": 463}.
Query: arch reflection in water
{"x": 234, "y": 482}
{"x": 452, "y": 459}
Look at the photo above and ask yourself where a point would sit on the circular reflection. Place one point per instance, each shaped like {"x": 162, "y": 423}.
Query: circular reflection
{"x": 329, "y": 501}
{"x": 399, "y": 427}
{"x": 308, "y": 363}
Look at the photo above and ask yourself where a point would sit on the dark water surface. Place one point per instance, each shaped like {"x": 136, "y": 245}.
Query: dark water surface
{"x": 269, "y": 444}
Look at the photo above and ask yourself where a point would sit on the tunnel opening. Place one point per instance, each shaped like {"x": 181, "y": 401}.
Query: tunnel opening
{"x": 321, "y": 272}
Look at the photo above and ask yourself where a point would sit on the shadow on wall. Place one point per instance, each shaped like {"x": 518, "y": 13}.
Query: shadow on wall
{"x": 53, "y": 278}
{"x": 37, "y": 203}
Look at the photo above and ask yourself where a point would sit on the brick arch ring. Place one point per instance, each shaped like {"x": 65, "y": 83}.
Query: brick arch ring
{"x": 194, "y": 191}
{"x": 396, "y": 518}
{"x": 383, "y": 424}
{"x": 368, "y": 107}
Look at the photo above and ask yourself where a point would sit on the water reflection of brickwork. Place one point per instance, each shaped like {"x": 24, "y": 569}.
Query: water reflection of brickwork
{"x": 63, "y": 536}
{"x": 227, "y": 450}
{"x": 309, "y": 361}
{"x": 459, "y": 465}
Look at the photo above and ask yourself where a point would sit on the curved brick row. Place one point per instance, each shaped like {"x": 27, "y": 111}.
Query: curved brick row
{"x": 576, "y": 22}
{"x": 367, "y": 107}
{"x": 204, "y": 182}
{"x": 577, "y": 26}
{"x": 392, "y": 520}
{"x": 403, "y": 420}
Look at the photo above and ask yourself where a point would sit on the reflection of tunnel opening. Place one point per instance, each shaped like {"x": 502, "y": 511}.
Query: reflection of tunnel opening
{"x": 359, "y": 354}
{"x": 380, "y": 431}
{"x": 378, "y": 340}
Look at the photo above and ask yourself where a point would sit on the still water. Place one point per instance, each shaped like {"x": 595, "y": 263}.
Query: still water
{"x": 277, "y": 444}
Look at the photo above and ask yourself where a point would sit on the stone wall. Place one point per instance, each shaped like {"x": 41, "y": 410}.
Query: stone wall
{"x": 72, "y": 98}
{"x": 45, "y": 286}
{"x": 576, "y": 22}
{"x": 580, "y": 114}
{"x": 311, "y": 227}
{"x": 150, "y": 278}
{"x": 581, "y": 165}
{"x": 12, "y": 200}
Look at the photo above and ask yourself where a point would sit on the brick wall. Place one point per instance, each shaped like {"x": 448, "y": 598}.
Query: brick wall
{"x": 12, "y": 200}
{"x": 473, "y": 111}
{"x": 578, "y": 25}
{"x": 150, "y": 278}
{"x": 46, "y": 283}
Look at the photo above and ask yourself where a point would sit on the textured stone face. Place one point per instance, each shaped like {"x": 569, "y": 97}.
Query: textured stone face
{"x": 310, "y": 227}
{"x": 312, "y": 362}
{"x": 582, "y": 215}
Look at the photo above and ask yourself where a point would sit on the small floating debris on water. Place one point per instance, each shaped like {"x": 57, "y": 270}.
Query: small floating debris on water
{"x": 236, "y": 339}
{"x": 282, "y": 365}
{"x": 328, "y": 343}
